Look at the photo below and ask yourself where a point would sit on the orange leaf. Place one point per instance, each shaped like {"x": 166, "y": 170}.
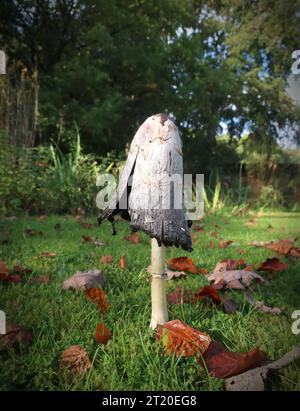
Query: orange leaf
{"x": 98, "y": 297}
{"x": 207, "y": 291}
{"x": 87, "y": 238}
{"x": 3, "y": 268}
{"x": 106, "y": 259}
{"x": 103, "y": 334}
{"x": 133, "y": 238}
{"x": 181, "y": 339}
{"x": 179, "y": 296}
{"x": 225, "y": 243}
{"x": 223, "y": 363}
{"x": 182, "y": 264}
{"x": 122, "y": 262}
{"x": 202, "y": 271}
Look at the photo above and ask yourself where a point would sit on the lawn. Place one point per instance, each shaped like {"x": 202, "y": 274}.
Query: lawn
{"x": 133, "y": 359}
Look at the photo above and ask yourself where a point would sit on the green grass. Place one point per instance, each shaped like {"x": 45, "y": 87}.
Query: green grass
{"x": 133, "y": 360}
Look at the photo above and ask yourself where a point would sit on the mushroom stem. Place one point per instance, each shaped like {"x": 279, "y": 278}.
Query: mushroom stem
{"x": 158, "y": 285}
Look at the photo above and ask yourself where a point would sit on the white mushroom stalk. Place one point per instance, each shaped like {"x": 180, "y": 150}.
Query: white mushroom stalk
{"x": 150, "y": 196}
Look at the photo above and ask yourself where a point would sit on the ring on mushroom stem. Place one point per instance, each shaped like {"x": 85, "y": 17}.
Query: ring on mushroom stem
{"x": 150, "y": 196}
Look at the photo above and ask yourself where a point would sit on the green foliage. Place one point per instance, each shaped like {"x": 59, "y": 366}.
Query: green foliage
{"x": 46, "y": 180}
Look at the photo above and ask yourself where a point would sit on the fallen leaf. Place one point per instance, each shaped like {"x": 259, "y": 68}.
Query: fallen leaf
{"x": 181, "y": 339}
{"x": 222, "y": 363}
{"x": 171, "y": 275}
{"x": 33, "y": 233}
{"x": 3, "y": 270}
{"x": 214, "y": 234}
{"x": 85, "y": 280}
{"x": 238, "y": 279}
{"x": 98, "y": 297}
{"x": 122, "y": 262}
{"x": 270, "y": 227}
{"x": 106, "y": 259}
{"x": 15, "y": 334}
{"x": 260, "y": 305}
{"x": 45, "y": 255}
{"x": 207, "y": 291}
{"x": 227, "y": 265}
{"x": 19, "y": 269}
{"x": 230, "y": 306}
{"x": 87, "y": 239}
{"x": 199, "y": 228}
{"x": 272, "y": 266}
{"x": 202, "y": 271}
{"x": 179, "y": 296}
{"x": 225, "y": 243}
{"x": 182, "y": 264}
{"x": 133, "y": 238}
{"x": 254, "y": 379}
{"x": 211, "y": 244}
{"x": 42, "y": 218}
{"x": 75, "y": 359}
{"x": 251, "y": 222}
{"x": 286, "y": 247}
{"x": 103, "y": 334}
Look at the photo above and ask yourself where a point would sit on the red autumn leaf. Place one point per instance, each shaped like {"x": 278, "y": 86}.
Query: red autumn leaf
{"x": 181, "y": 339}
{"x": 272, "y": 266}
{"x": 207, "y": 291}
{"x": 15, "y": 278}
{"x": 19, "y": 269}
{"x": 198, "y": 228}
{"x": 179, "y": 296}
{"x": 202, "y": 271}
{"x": 98, "y": 297}
{"x": 133, "y": 238}
{"x": 106, "y": 259}
{"x": 103, "y": 334}
{"x": 182, "y": 264}
{"x": 122, "y": 262}
{"x": 15, "y": 334}
{"x": 225, "y": 243}
{"x": 87, "y": 238}
{"x": 223, "y": 363}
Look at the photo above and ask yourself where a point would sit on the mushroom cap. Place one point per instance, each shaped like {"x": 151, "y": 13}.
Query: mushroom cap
{"x": 151, "y": 184}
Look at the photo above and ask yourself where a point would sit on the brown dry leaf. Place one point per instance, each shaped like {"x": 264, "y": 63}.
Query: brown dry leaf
{"x": 225, "y": 243}
{"x": 3, "y": 270}
{"x": 15, "y": 334}
{"x": 181, "y": 339}
{"x": 42, "y": 218}
{"x": 46, "y": 254}
{"x": 199, "y": 228}
{"x": 182, "y": 296}
{"x": 87, "y": 239}
{"x": 222, "y": 363}
{"x": 85, "y": 280}
{"x": 214, "y": 234}
{"x": 19, "y": 269}
{"x": 286, "y": 247}
{"x": 75, "y": 359}
{"x": 211, "y": 244}
{"x": 106, "y": 259}
{"x": 226, "y": 265}
{"x": 122, "y": 262}
{"x": 207, "y": 291}
{"x": 32, "y": 233}
{"x": 272, "y": 266}
{"x": 230, "y": 306}
{"x": 182, "y": 264}
{"x": 202, "y": 271}
{"x": 251, "y": 222}
{"x": 238, "y": 279}
{"x": 103, "y": 334}
{"x": 133, "y": 238}
{"x": 171, "y": 275}
{"x": 254, "y": 379}
{"x": 98, "y": 297}
{"x": 260, "y": 305}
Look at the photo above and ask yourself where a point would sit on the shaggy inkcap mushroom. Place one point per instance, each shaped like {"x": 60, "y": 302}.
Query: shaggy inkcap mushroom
{"x": 150, "y": 192}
